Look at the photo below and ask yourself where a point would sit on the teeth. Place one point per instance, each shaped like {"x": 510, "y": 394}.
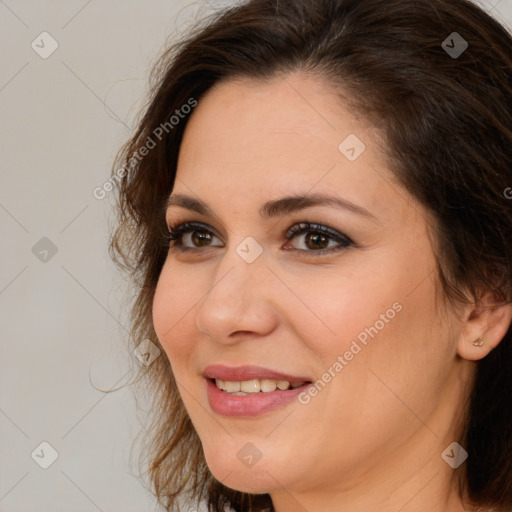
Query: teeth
{"x": 268, "y": 385}
{"x": 283, "y": 384}
{"x": 255, "y": 386}
{"x": 250, "y": 386}
{"x": 232, "y": 387}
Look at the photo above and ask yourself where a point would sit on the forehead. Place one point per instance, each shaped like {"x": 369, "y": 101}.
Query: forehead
{"x": 285, "y": 135}
{"x": 250, "y": 116}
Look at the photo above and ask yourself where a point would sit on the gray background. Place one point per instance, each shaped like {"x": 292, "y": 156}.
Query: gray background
{"x": 63, "y": 324}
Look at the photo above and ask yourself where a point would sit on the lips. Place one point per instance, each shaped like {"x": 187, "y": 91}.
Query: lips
{"x": 249, "y": 372}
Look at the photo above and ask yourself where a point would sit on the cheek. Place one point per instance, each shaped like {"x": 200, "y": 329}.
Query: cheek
{"x": 169, "y": 312}
{"x": 339, "y": 307}
{"x": 381, "y": 322}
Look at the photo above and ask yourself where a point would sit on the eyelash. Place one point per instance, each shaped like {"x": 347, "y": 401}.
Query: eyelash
{"x": 177, "y": 231}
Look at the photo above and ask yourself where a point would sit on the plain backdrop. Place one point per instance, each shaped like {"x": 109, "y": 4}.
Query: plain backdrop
{"x": 63, "y": 326}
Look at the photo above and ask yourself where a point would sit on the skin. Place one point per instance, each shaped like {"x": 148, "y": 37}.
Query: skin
{"x": 372, "y": 438}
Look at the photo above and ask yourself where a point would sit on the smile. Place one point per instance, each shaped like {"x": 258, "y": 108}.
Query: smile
{"x": 252, "y": 403}
{"x": 246, "y": 387}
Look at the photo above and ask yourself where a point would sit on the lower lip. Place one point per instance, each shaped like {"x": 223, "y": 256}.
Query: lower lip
{"x": 249, "y": 405}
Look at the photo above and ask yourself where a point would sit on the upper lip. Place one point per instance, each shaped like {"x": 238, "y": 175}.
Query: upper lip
{"x": 248, "y": 372}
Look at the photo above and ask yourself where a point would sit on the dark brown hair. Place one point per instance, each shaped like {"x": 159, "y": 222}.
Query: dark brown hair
{"x": 447, "y": 123}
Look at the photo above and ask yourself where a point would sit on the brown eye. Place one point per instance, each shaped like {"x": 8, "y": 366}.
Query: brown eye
{"x": 183, "y": 235}
{"x": 193, "y": 236}
{"x": 317, "y": 238}
{"x": 316, "y": 241}
{"x": 200, "y": 239}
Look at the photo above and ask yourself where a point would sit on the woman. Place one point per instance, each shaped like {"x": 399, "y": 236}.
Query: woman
{"x": 315, "y": 208}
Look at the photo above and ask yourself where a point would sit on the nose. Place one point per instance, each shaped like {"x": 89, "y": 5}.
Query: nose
{"x": 239, "y": 301}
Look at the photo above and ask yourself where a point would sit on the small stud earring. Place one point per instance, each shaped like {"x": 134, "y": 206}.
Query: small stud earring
{"x": 479, "y": 342}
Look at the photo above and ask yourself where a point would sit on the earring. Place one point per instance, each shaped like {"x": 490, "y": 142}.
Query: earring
{"x": 479, "y": 342}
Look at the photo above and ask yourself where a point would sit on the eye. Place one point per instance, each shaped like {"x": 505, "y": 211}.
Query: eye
{"x": 317, "y": 239}
{"x": 195, "y": 232}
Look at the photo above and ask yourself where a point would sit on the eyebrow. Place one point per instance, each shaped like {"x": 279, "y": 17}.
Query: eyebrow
{"x": 276, "y": 207}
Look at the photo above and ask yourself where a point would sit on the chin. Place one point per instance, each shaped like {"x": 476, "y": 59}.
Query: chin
{"x": 226, "y": 466}
{"x": 247, "y": 481}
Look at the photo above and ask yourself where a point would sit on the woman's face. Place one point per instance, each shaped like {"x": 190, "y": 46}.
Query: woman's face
{"x": 352, "y": 311}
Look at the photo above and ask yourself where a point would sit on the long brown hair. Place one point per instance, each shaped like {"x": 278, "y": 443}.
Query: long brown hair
{"x": 447, "y": 122}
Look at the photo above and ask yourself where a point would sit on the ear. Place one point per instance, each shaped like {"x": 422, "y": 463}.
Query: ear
{"x": 488, "y": 321}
